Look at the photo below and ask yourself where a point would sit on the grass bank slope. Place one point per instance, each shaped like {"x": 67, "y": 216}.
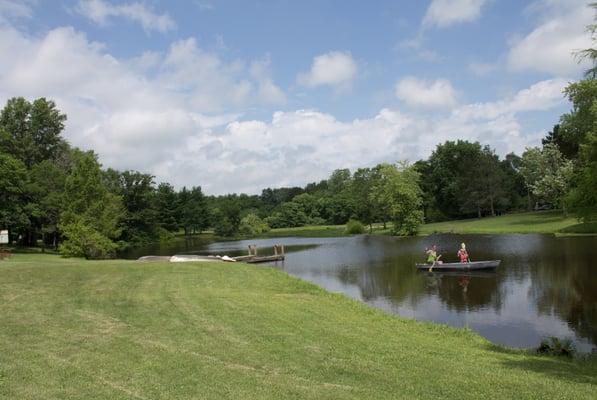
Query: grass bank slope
{"x": 533, "y": 222}
{"x": 126, "y": 330}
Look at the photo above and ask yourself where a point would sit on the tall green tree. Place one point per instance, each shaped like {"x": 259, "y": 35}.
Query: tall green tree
{"x": 47, "y": 184}
{"x": 13, "y": 178}
{"x": 583, "y": 197}
{"x": 166, "y": 204}
{"x": 31, "y": 131}
{"x": 547, "y": 173}
{"x": 399, "y": 188}
{"x": 141, "y": 219}
{"x": 455, "y": 179}
{"x": 91, "y": 216}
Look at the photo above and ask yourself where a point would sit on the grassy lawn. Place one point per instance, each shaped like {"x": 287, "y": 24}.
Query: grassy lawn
{"x": 73, "y": 329}
{"x": 309, "y": 231}
{"x": 533, "y": 222}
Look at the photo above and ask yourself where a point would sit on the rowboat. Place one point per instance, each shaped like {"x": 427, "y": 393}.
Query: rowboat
{"x": 470, "y": 266}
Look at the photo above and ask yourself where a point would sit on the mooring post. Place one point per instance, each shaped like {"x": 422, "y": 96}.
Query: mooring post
{"x": 282, "y": 249}
{"x": 276, "y": 249}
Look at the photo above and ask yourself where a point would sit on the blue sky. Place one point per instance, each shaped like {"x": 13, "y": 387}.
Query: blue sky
{"x": 242, "y": 95}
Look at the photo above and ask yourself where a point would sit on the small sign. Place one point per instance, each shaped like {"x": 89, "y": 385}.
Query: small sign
{"x": 3, "y": 237}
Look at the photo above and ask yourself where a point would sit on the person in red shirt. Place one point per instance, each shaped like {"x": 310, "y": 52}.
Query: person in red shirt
{"x": 462, "y": 254}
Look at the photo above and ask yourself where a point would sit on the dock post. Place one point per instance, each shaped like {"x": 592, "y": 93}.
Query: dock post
{"x": 276, "y": 249}
{"x": 282, "y": 249}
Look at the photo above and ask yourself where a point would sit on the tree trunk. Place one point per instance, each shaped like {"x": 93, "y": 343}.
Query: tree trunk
{"x": 370, "y": 228}
{"x": 491, "y": 205}
{"x": 478, "y": 211}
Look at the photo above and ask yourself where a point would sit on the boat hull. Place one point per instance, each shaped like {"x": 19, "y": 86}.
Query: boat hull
{"x": 471, "y": 266}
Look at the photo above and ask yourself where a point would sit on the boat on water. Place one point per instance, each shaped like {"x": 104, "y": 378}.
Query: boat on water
{"x": 470, "y": 266}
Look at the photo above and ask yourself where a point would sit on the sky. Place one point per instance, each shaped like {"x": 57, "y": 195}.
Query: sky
{"x": 237, "y": 96}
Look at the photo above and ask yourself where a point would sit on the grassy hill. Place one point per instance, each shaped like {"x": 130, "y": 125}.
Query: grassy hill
{"x": 127, "y": 330}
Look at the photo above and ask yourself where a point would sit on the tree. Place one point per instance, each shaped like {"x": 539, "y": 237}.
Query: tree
{"x": 31, "y": 131}
{"x": 165, "y": 204}
{"x": 583, "y": 198}
{"x": 547, "y": 173}
{"x": 590, "y": 53}
{"x": 91, "y": 215}
{"x": 140, "y": 221}
{"x": 288, "y": 215}
{"x": 13, "y": 177}
{"x": 47, "y": 182}
{"x": 455, "y": 178}
{"x": 575, "y": 125}
{"x": 252, "y": 225}
{"x": 398, "y": 187}
{"x": 361, "y": 186}
{"x": 226, "y": 216}
{"x": 482, "y": 186}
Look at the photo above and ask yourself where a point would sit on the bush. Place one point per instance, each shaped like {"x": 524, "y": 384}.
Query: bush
{"x": 557, "y": 347}
{"x": 354, "y": 227}
{"x": 84, "y": 241}
{"x": 253, "y": 225}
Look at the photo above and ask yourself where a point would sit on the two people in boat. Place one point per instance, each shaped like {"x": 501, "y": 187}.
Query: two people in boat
{"x": 433, "y": 258}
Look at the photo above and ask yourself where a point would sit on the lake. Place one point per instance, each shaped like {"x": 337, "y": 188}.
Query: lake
{"x": 545, "y": 285}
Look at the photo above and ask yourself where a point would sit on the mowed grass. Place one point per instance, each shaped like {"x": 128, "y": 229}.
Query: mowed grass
{"x": 308, "y": 231}
{"x": 74, "y": 329}
{"x": 532, "y": 222}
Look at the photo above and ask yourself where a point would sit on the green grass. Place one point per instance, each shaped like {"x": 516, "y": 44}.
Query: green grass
{"x": 533, "y": 222}
{"x": 74, "y": 329}
{"x": 309, "y": 231}
{"x": 584, "y": 228}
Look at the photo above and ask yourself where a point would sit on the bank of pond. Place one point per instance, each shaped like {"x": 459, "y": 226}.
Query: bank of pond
{"x": 125, "y": 329}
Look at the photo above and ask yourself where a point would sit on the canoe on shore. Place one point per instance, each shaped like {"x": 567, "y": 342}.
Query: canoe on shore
{"x": 471, "y": 266}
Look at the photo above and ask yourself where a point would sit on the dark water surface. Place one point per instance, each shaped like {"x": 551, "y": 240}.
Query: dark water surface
{"x": 545, "y": 286}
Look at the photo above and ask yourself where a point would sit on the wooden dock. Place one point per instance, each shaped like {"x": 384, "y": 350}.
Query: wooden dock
{"x": 253, "y": 258}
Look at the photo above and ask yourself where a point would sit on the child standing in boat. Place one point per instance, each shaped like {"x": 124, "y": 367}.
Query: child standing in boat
{"x": 462, "y": 254}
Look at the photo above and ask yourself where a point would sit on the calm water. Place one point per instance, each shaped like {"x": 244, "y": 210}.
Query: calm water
{"x": 545, "y": 286}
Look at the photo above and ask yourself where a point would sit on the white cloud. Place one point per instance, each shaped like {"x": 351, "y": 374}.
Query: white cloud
{"x": 182, "y": 122}
{"x": 269, "y": 93}
{"x": 335, "y": 68}
{"x": 15, "y": 9}
{"x": 430, "y": 94}
{"x": 550, "y": 45}
{"x": 100, "y": 11}
{"x": 444, "y": 13}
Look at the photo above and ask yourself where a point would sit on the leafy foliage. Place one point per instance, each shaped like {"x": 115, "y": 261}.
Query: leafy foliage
{"x": 252, "y": 225}
{"x": 354, "y": 227}
{"x": 89, "y": 209}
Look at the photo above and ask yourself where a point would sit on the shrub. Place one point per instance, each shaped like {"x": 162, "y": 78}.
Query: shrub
{"x": 251, "y": 224}
{"x": 84, "y": 241}
{"x": 354, "y": 227}
{"x": 557, "y": 347}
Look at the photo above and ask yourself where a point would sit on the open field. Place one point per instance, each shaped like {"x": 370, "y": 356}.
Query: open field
{"x": 124, "y": 330}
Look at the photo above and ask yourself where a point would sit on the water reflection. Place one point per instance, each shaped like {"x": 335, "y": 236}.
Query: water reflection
{"x": 545, "y": 285}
